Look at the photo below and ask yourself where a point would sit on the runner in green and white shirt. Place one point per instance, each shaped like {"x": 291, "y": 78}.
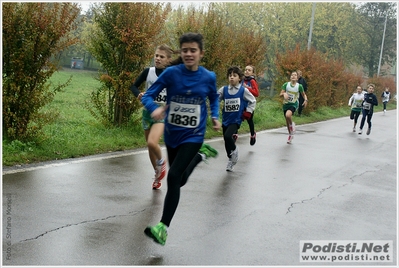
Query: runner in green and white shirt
{"x": 356, "y": 103}
{"x": 290, "y": 91}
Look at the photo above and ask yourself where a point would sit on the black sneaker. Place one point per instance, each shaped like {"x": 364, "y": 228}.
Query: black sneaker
{"x": 252, "y": 139}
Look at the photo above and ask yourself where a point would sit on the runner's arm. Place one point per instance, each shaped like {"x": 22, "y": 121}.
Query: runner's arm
{"x": 134, "y": 88}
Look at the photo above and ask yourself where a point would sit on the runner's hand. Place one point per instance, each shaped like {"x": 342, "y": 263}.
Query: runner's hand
{"x": 159, "y": 113}
{"x": 216, "y": 124}
{"x": 246, "y": 115}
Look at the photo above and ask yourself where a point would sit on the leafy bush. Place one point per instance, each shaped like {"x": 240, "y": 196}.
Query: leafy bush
{"x": 32, "y": 34}
{"x": 329, "y": 84}
{"x": 123, "y": 41}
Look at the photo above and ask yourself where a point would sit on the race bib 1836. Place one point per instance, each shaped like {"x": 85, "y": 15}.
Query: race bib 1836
{"x": 184, "y": 115}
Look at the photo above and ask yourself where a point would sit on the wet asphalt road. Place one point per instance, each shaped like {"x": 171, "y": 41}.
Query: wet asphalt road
{"x": 329, "y": 184}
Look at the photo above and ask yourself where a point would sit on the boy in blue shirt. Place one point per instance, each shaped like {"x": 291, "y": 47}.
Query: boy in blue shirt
{"x": 238, "y": 105}
{"x": 370, "y": 100}
{"x": 188, "y": 86}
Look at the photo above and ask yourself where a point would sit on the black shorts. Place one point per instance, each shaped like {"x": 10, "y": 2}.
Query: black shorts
{"x": 353, "y": 114}
{"x": 291, "y": 108}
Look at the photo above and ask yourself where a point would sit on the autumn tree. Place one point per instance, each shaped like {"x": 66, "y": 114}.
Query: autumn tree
{"x": 341, "y": 30}
{"x": 370, "y": 24}
{"x": 205, "y": 21}
{"x": 334, "y": 32}
{"x": 226, "y": 43}
{"x": 381, "y": 83}
{"x": 123, "y": 39}
{"x": 32, "y": 34}
{"x": 76, "y": 50}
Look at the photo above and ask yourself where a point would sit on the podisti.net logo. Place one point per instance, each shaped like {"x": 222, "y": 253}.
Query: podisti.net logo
{"x": 346, "y": 251}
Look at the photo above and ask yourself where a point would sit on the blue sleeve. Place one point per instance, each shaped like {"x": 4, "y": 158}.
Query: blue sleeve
{"x": 213, "y": 97}
{"x": 150, "y": 95}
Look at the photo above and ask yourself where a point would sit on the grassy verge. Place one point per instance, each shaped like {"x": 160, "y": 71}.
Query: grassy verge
{"x": 75, "y": 133}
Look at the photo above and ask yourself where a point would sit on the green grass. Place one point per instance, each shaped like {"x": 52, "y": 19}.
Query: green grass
{"x": 75, "y": 133}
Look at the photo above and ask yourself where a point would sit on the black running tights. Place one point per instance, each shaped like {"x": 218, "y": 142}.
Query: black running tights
{"x": 182, "y": 161}
{"x": 366, "y": 114}
{"x": 229, "y": 143}
{"x": 251, "y": 124}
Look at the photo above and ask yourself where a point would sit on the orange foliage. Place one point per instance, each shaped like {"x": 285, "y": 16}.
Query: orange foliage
{"x": 329, "y": 84}
{"x": 381, "y": 83}
{"x": 225, "y": 45}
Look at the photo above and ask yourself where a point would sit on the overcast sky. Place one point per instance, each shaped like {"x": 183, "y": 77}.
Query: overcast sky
{"x": 86, "y": 4}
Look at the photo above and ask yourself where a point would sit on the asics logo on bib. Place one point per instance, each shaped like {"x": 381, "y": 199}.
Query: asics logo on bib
{"x": 184, "y": 115}
{"x": 184, "y": 109}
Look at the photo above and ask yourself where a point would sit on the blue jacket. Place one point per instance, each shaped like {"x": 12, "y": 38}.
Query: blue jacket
{"x": 370, "y": 100}
{"x": 187, "y": 111}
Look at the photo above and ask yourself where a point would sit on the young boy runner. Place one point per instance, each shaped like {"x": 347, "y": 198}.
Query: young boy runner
{"x": 290, "y": 91}
{"x": 370, "y": 100}
{"x": 239, "y": 104}
{"x": 386, "y": 96}
{"x": 250, "y": 83}
{"x": 153, "y": 129}
{"x": 355, "y": 101}
{"x": 188, "y": 86}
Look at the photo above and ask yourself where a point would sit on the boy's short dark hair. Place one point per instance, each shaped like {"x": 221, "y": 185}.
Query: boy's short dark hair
{"x": 235, "y": 70}
{"x": 192, "y": 37}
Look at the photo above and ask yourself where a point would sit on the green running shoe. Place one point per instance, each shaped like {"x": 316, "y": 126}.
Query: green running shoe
{"x": 157, "y": 232}
{"x": 208, "y": 151}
